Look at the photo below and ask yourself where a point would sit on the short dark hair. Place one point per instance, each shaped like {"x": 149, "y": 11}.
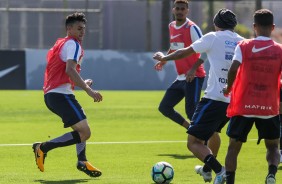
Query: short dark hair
{"x": 181, "y": 1}
{"x": 263, "y": 17}
{"x": 75, "y": 17}
{"x": 225, "y": 19}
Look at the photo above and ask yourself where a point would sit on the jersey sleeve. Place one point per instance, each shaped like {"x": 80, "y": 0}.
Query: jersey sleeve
{"x": 195, "y": 33}
{"x": 237, "y": 54}
{"x": 203, "y": 44}
{"x": 73, "y": 50}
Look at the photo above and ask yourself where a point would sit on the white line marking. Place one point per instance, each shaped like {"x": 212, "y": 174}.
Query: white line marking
{"x": 136, "y": 142}
{"x": 131, "y": 142}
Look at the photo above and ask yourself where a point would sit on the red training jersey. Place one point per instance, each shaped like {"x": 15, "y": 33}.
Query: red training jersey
{"x": 181, "y": 38}
{"x": 55, "y": 73}
{"x": 256, "y": 89}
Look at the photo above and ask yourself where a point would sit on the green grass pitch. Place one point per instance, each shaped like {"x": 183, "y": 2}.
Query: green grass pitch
{"x": 129, "y": 136}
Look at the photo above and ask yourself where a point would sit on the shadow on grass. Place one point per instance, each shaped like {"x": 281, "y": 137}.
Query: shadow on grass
{"x": 280, "y": 167}
{"x": 63, "y": 181}
{"x": 176, "y": 156}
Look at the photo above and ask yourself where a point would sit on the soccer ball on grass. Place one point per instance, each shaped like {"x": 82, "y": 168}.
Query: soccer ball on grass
{"x": 162, "y": 172}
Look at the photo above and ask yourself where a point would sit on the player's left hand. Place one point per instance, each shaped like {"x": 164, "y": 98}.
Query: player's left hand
{"x": 158, "y": 56}
{"x": 159, "y": 65}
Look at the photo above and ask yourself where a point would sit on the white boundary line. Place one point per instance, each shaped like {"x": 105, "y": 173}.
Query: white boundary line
{"x": 129, "y": 142}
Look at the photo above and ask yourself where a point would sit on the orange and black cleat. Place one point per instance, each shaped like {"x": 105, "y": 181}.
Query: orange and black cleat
{"x": 88, "y": 169}
{"x": 39, "y": 156}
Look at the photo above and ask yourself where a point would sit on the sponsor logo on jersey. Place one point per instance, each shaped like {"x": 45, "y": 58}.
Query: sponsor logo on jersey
{"x": 255, "y": 50}
{"x": 230, "y": 43}
{"x": 222, "y": 80}
{"x": 259, "y": 107}
{"x": 174, "y": 36}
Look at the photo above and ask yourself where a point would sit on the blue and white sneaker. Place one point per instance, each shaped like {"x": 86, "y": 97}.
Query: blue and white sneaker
{"x": 221, "y": 177}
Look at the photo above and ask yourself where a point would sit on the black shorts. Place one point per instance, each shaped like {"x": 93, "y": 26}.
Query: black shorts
{"x": 209, "y": 117}
{"x": 240, "y": 126}
{"x": 65, "y": 106}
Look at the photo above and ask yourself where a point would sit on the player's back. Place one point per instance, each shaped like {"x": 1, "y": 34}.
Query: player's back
{"x": 220, "y": 56}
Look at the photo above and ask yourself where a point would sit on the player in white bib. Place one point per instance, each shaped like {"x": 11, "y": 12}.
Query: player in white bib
{"x": 210, "y": 115}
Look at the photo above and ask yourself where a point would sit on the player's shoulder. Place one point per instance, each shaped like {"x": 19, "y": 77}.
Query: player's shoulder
{"x": 238, "y": 37}
{"x": 245, "y": 41}
{"x": 195, "y": 27}
{"x": 279, "y": 45}
{"x": 72, "y": 42}
{"x": 210, "y": 35}
{"x": 172, "y": 24}
{"x": 191, "y": 23}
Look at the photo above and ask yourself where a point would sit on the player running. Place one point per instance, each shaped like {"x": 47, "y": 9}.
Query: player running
{"x": 61, "y": 75}
{"x": 210, "y": 115}
{"x": 254, "y": 83}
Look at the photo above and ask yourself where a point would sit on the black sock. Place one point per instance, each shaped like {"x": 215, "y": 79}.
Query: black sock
{"x": 272, "y": 169}
{"x": 64, "y": 140}
{"x": 211, "y": 161}
{"x": 230, "y": 177}
{"x": 206, "y": 168}
{"x": 80, "y": 149}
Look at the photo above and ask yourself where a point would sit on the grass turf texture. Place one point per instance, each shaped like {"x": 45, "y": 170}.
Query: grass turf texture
{"x": 123, "y": 116}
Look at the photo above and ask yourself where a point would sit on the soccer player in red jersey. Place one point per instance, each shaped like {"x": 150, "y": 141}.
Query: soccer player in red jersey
{"x": 254, "y": 83}
{"x": 183, "y": 32}
{"x": 61, "y": 75}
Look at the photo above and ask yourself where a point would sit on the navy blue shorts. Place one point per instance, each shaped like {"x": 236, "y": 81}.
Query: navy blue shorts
{"x": 240, "y": 126}
{"x": 209, "y": 117}
{"x": 65, "y": 106}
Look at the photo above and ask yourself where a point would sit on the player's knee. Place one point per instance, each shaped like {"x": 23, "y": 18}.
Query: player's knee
{"x": 164, "y": 110}
{"x": 85, "y": 135}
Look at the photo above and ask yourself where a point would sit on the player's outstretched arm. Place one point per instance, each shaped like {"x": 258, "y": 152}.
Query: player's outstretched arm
{"x": 178, "y": 54}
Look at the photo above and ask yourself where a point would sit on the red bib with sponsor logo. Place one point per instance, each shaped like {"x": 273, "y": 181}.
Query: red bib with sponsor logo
{"x": 256, "y": 89}
{"x": 55, "y": 73}
{"x": 181, "y": 38}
